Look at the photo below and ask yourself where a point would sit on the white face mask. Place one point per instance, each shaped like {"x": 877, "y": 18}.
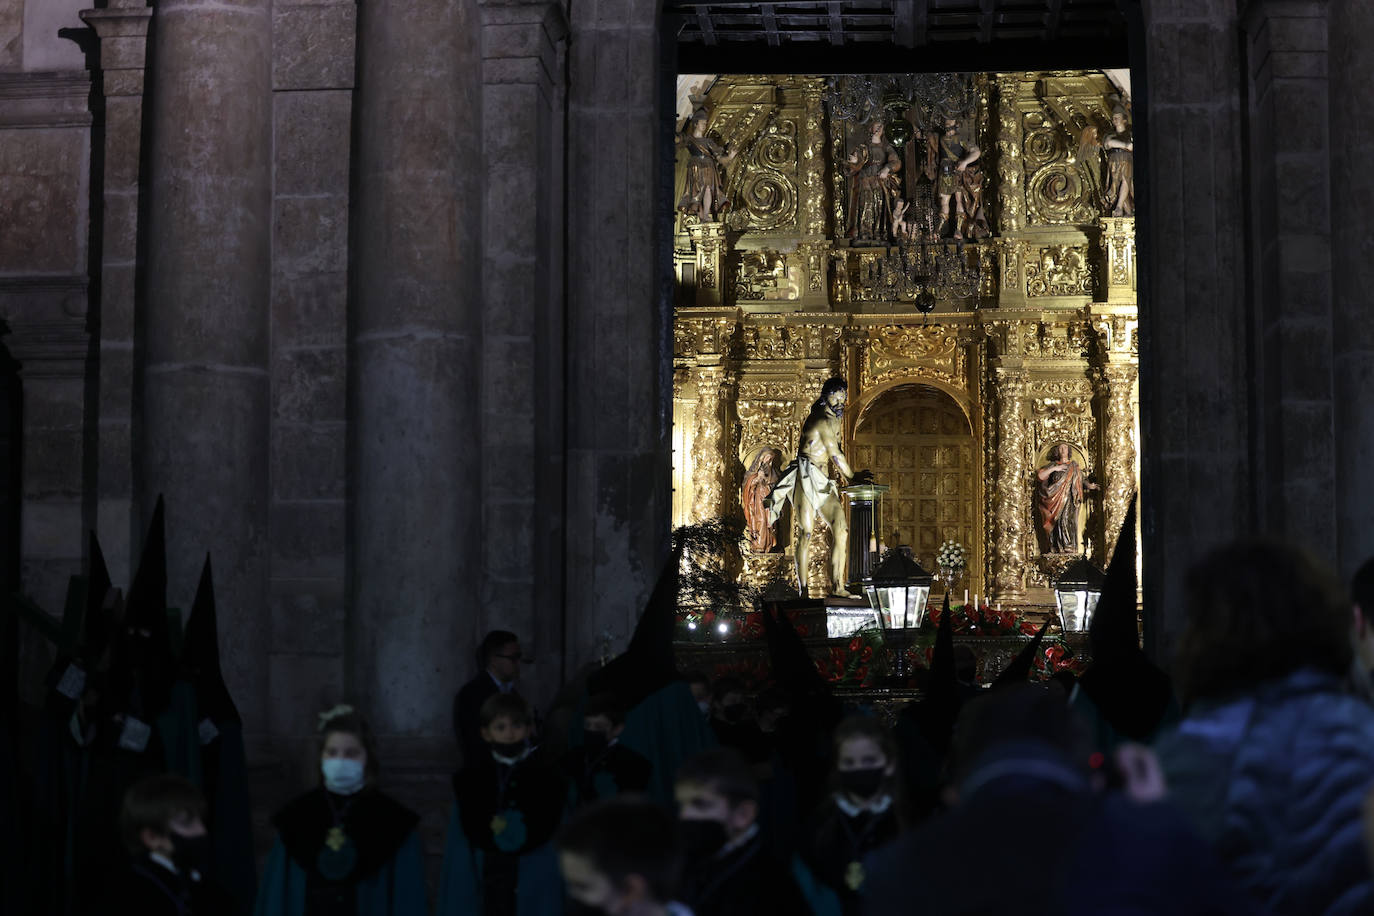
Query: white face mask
{"x": 342, "y": 775}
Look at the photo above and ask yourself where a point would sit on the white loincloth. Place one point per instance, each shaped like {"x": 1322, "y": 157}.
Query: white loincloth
{"x": 815, "y": 486}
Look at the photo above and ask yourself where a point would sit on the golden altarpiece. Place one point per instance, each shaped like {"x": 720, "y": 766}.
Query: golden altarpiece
{"x": 979, "y": 342}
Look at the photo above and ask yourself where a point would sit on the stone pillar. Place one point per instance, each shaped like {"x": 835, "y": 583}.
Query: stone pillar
{"x": 1352, "y": 221}
{"x": 415, "y": 441}
{"x": 1290, "y": 166}
{"x": 708, "y": 445}
{"x": 202, "y": 441}
{"x": 1013, "y": 488}
{"x": 123, "y": 32}
{"x": 522, "y": 364}
{"x": 1011, "y": 201}
{"x": 814, "y": 247}
{"x": 1190, "y": 198}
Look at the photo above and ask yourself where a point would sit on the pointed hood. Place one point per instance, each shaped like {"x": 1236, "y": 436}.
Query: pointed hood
{"x": 1113, "y": 630}
{"x": 1020, "y": 668}
{"x": 147, "y": 652}
{"x": 943, "y": 677}
{"x": 200, "y": 653}
{"x": 1131, "y": 693}
{"x": 793, "y": 668}
{"x": 97, "y": 623}
{"x": 647, "y": 662}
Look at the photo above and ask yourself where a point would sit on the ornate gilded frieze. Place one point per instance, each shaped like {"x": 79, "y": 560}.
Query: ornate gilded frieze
{"x": 764, "y": 275}
{"x": 929, "y": 351}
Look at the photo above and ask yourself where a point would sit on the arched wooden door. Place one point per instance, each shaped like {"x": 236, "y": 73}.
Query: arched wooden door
{"x": 917, "y": 440}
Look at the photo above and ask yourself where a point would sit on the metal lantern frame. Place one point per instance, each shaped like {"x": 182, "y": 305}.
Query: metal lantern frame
{"x": 899, "y": 591}
{"x": 1076, "y": 594}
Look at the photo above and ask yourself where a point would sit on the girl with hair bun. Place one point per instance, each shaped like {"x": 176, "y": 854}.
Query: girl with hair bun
{"x": 344, "y": 848}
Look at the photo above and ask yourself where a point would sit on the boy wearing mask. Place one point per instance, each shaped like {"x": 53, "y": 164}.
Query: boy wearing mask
{"x": 622, "y": 857}
{"x": 729, "y": 872}
{"x": 603, "y": 767}
{"x": 162, "y": 822}
{"x": 508, "y": 804}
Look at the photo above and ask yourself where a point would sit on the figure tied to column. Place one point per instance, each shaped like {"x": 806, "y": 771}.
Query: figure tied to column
{"x": 809, "y": 488}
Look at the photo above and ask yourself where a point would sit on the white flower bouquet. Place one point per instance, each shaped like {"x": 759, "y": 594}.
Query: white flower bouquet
{"x": 951, "y": 556}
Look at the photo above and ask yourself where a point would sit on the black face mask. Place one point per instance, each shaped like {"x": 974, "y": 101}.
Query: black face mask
{"x": 191, "y": 853}
{"x": 863, "y": 783}
{"x": 595, "y": 742}
{"x": 507, "y": 748}
{"x": 701, "y": 839}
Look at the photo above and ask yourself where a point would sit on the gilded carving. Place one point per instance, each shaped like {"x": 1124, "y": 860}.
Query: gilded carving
{"x": 1059, "y": 270}
{"x": 1010, "y": 532}
{"x": 930, "y": 351}
{"x": 708, "y": 439}
{"x": 763, "y": 275}
{"x": 814, "y": 255}
{"x": 767, "y": 424}
{"x": 1118, "y": 447}
{"x": 1010, "y": 197}
{"x": 1058, "y": 192}
{"x": 813, "y": 159}
{"x": 764, "y": 188}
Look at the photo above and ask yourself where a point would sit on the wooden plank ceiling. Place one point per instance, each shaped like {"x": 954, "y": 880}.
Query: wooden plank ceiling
{"x": 712, "y": 31}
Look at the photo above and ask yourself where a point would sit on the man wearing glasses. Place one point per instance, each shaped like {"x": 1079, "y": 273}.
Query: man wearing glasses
{"x": 499, "y": 658}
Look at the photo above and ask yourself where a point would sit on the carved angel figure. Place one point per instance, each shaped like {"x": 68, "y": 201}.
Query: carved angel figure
{"x": 1118, "y": 148}
{"x": 703, "y": 193}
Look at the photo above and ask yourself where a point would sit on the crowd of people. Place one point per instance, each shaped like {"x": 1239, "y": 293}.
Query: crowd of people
{"x": 1243, "y": 783}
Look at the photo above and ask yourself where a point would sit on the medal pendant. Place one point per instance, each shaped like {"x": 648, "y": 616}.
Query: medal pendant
{"x": 854, "y": 876}
{"x": 498, "y": 825}
{"x": 335, "y": 839}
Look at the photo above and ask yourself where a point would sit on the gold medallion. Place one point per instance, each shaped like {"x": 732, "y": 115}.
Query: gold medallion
{"x": 498, "y": 825}
{"x": 854, "y": 876}
{"x": 335, "y": 839}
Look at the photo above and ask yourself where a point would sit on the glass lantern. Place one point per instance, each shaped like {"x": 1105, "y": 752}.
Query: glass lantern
{"x": 1076, "y": 594}
{"x": 898, "y": 591}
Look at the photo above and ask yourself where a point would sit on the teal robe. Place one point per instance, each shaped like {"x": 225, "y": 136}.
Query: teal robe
{"x": 538, "y": 890}
{"x": 398, "y": 889}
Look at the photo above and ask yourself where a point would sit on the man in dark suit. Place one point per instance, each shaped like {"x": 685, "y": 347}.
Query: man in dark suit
{"x": 498, "y": 657}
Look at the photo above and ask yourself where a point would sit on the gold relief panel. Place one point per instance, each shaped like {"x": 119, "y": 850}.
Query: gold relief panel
{"x": 1060, "y": 270}
{"x": 762, "y": 275}
{"x": 767, "y": 424}
{"x": 1048, "y": 340}
{"x": 926, "y": 351}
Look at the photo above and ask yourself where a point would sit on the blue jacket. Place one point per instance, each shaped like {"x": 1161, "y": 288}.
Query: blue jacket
{"x": 1274, "y": 780}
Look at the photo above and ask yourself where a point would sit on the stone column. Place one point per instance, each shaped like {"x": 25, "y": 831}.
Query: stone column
{"x": 1352, "y": 221}
{"x": 1290, "y": 235}
{"x": 414, "y": 377}
{"x": 122, "y": 29}
{"x": 522, "y": 278}
{"x": 708, "y": 444}
{"x": 1013, "y": 493}
{"x": 1194, "y": 418}
{"x": 203, "y": 437}
{"x": 1011, "y": 201}
{"x": 814, "y": 247}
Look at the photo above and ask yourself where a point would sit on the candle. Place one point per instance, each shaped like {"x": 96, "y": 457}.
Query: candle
{"x": 965, "y": 596}
{"x": 872, "y": 544}
{"x": 975, "y": 601}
